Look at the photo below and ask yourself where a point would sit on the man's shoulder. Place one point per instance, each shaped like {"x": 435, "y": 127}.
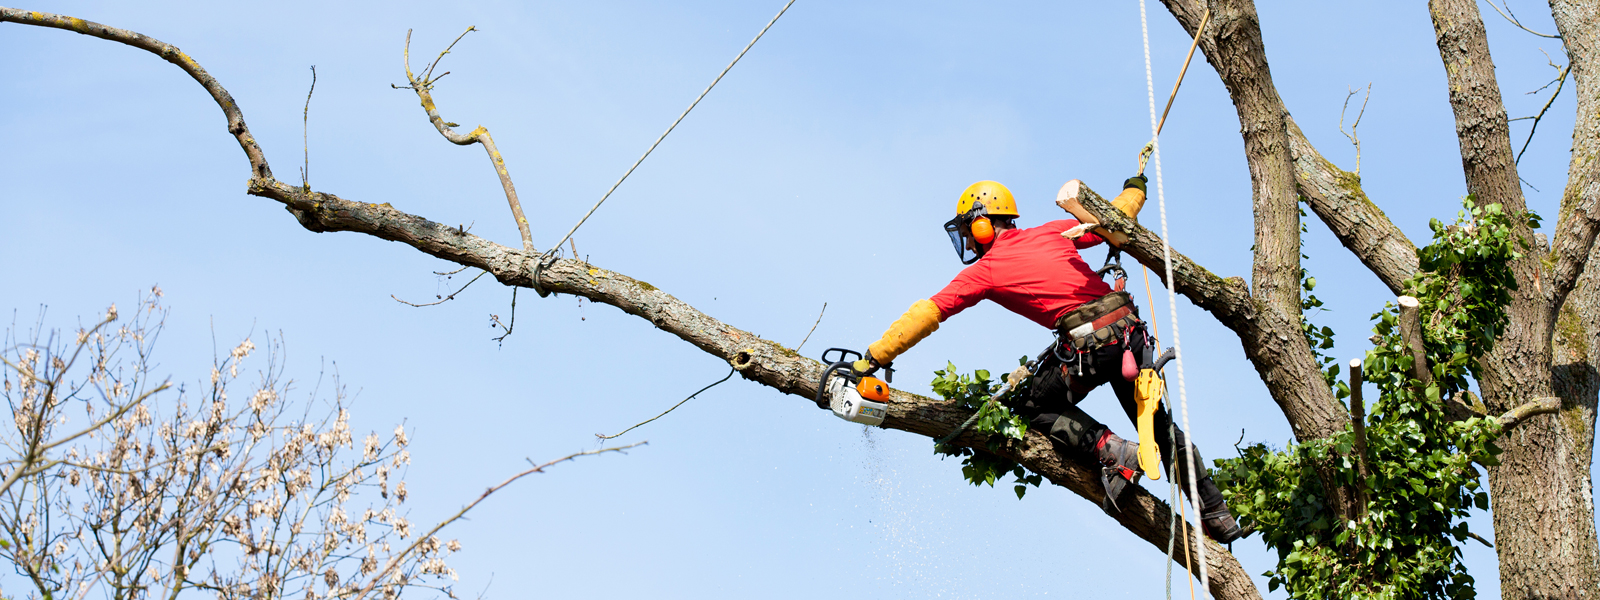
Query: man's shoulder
{"x": 1056, "y": 226}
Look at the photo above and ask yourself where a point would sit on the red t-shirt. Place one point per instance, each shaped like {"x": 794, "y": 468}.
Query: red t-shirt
{"x": 1033, "y": 272}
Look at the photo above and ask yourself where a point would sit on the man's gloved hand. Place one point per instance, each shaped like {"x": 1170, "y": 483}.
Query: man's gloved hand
{"x": 869, "y": 365}
{"x": 1137, "y": 181}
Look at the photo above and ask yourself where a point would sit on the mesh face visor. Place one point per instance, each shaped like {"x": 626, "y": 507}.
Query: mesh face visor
{"x": 954, "y": 227}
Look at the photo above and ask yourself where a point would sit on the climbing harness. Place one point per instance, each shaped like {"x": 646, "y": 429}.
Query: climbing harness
{"x": 550, "y": 254}
{"x": 1166, "y": 253}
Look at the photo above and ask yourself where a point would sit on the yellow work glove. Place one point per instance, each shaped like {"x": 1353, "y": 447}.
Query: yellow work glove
{"x": 919, "y": 321}
{"x": 1131, "y": 200}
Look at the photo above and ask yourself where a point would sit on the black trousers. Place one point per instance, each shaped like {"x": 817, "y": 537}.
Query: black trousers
{"x": 1052, "y": 406}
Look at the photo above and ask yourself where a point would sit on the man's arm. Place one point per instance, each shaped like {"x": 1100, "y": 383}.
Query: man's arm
{"x": 924, "y": 316}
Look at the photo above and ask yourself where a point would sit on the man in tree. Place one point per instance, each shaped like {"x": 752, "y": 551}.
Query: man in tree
{"x": 1038, "y": 273}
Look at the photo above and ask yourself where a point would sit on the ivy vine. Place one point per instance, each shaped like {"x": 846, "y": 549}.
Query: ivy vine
{"x": 1421, "y": 482}
{"x": 975, "y": 391}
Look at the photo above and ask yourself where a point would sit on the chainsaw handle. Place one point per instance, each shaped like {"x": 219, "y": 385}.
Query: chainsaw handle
{"x": 1165, "y": 356}
{"x": 844, "y": 356}
{"x": 822, "y": 382}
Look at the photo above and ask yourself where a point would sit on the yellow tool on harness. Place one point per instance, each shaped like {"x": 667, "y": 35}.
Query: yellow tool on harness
{"x": 1148, "y": 390}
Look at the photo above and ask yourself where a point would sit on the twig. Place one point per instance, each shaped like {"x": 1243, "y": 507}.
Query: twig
{"x": 1513, "y": 19}
{"x": 674, "y": 407}
{"x": 813, "y": 328}
{"x": 305, "y": 128}
{"x": 447, "y": 274}
{"x": 1480, "y": 539}
{"x": 452, "y": 295}
{"x": 1560, "y": 81}
{"x": 1354, "y": 139}
{"x": 513, "y": 322}
{"x": 394, "y": 561}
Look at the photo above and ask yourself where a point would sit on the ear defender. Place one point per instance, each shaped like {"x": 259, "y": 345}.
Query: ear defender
{"x": 982, "y": 230}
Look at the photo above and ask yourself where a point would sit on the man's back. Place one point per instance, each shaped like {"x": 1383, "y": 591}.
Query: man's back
{"x": 1033, "y": 272}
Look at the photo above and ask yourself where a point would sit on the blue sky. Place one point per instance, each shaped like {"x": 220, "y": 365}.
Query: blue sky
{"x": 827, "y": 159}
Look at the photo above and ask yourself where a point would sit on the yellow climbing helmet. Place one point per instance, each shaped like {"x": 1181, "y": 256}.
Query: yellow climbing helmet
{"x": 978, "y": 202}
{"x": 995, "y": 199}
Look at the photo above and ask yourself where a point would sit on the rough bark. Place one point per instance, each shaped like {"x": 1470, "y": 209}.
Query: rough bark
{"x": 1233, "y": 46}
{"x": 757, "y": 359}
{"x": 1579, "y": 24}
{"x": 1336, "y": 196}
{"x": 1543, "y": 514}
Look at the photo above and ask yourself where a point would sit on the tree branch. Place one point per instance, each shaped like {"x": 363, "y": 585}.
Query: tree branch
{"x": 1480, "y": 114}
{"x": 1520, "y": 414}
{"x": 169, "y": 53}
{"x": 423, "y": 86}
{"x": 1578, "y": 22}
{"x": 1272, "y": 340}
{"x": 1234, "y": 47}
{"x": 1335, "y": 195}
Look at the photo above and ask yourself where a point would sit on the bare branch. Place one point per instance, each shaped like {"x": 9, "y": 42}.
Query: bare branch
{"x": 305, "y": 132}
{"x": 1336, "y": 197}
{"x": 813, "y": 327}
{"x": 168, "y": 52}
{"x": 758, "y": 360}
{"x": 674, "y": 407}
{"x": 1354, "y": 139}
{"x": 1560, "y": 82}
{"x": 398, "y": 559}
{"x": 423, "y": 86}
{"x": 445, "y": 299}
{"x": 1513, "y": 19}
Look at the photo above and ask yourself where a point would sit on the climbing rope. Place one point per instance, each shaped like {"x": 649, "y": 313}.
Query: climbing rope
{"x": 557, "y": 247}
{"x": 1172, "y": 305}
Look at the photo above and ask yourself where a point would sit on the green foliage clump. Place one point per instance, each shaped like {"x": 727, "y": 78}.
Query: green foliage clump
{"x": 1421, "y": 481}
{"x": 976, "y": 391}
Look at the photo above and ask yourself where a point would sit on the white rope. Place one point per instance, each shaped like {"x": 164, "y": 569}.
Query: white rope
{"x": 1172, "y": 299}
{"x": 557, "y": 248}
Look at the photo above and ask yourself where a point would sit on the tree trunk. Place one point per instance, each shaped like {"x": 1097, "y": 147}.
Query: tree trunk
{"x": 1543, "y": 508}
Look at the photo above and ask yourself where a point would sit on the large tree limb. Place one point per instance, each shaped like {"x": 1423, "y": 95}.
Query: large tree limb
{"x": 757, "y": 359}
{"x": 169, "y": 53}
{"x": 1579, "y": 24}
{"x": 1233, "y": 46}
{"x": 1272, "y": 340}
{"x": 1481, "y": 124}
{"x": 1337, "y": 198}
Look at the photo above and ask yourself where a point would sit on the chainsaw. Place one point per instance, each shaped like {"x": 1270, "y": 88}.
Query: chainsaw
{"x": 848, "y": 389}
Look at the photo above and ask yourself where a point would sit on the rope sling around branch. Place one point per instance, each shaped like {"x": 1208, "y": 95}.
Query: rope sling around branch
{"x": 1166, "y": 251}
{"x": 551, "y": 253}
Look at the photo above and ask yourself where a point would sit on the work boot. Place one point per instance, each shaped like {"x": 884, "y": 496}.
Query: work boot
{"x": 1220, "y": 525}
{"x": 1119, "y": 467}
{"x": 1215, "y": 518}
